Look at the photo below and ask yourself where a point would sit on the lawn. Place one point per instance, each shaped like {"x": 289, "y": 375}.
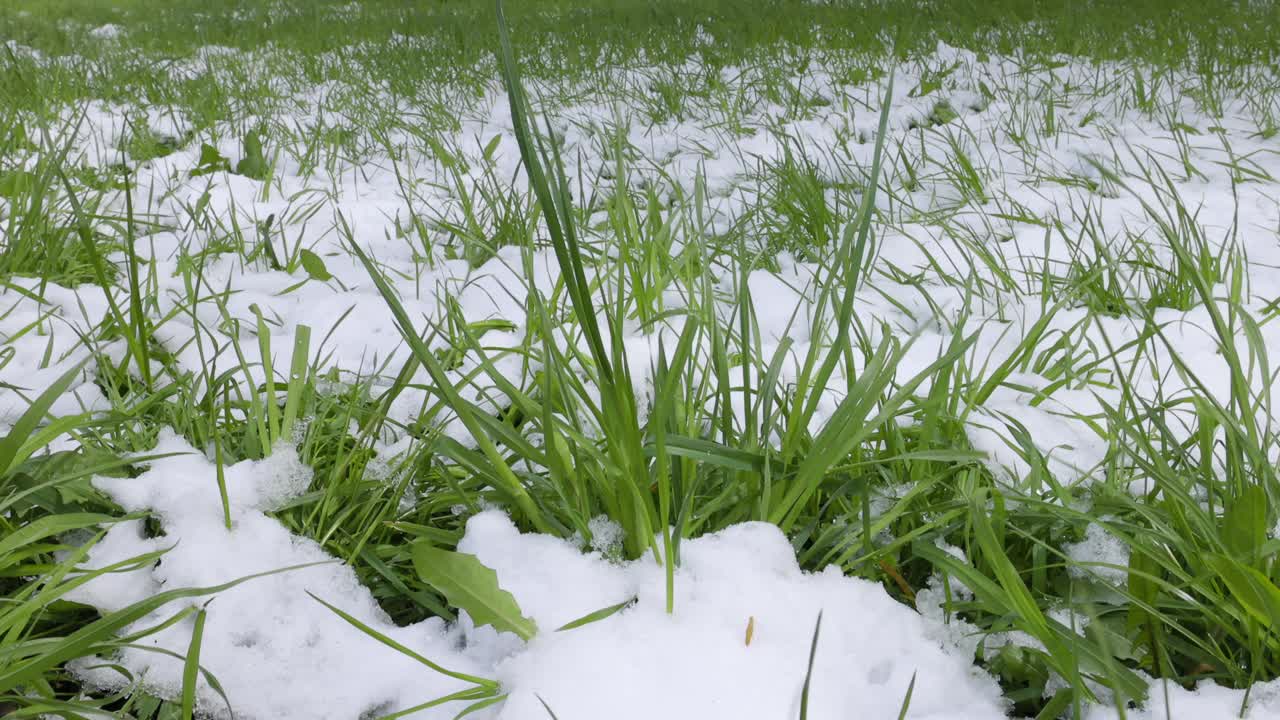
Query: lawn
{"x": 691, "y": 359}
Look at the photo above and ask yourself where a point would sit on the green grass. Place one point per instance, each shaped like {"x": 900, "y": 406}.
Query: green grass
{"x": 871, "y": 482}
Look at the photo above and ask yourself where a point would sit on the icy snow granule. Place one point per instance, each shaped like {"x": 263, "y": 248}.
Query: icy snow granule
{"x": 606, "y": 535}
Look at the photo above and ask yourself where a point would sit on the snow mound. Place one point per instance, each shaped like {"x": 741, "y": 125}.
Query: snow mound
{"x": 279, "y": 654}
{"x": 1208, "y": 701}
{"x": 696, "y": 663}
{"x": 276, "y": 652}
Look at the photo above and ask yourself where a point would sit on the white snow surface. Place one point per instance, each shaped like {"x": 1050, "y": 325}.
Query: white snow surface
{"x": 36, "y": 324}
{"x": 375, "y": 196}
{"x": 1207, "y": 701}
{"x": 280, "y": 655}
{"x": 1100, "y": 554}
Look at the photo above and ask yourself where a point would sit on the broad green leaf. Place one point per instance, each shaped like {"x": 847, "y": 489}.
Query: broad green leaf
{"x": 441, "y": 153}
{"x": 211, "y": 161}
{"x": 1244, "y": 524}
{"x": 1253, "y": 590}
{"x": 254, "y": 163}
{"x": 471, "y": 586}
{"x": 1057, "y": 706}
{"x": 1069, "y": 655}
{"x": 15, "y": 183}
{"x": 479, "y": 705}
{"x": 314, "y": 266}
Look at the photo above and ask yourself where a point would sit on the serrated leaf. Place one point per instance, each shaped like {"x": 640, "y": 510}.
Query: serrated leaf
{"x": 471, "y": 586}
{"x": 315, "y": 267}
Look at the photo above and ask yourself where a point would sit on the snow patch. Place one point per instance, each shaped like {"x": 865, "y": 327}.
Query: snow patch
{"x": 279, "y": 654}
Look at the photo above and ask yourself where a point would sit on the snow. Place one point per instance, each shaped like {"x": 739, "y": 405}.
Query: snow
{"x": 670, "y": 154}
{"x": 42, "y": 327}
{"x": 107, "y": 32}
{"x": 1100, "y": 554}
{"x": 1207, "y": 701}
{"x": 697, "y": 661}
{"x": 270, "y": 645}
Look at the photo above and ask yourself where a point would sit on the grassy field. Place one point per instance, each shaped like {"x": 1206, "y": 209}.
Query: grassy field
{"x": 846, "y": 358}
